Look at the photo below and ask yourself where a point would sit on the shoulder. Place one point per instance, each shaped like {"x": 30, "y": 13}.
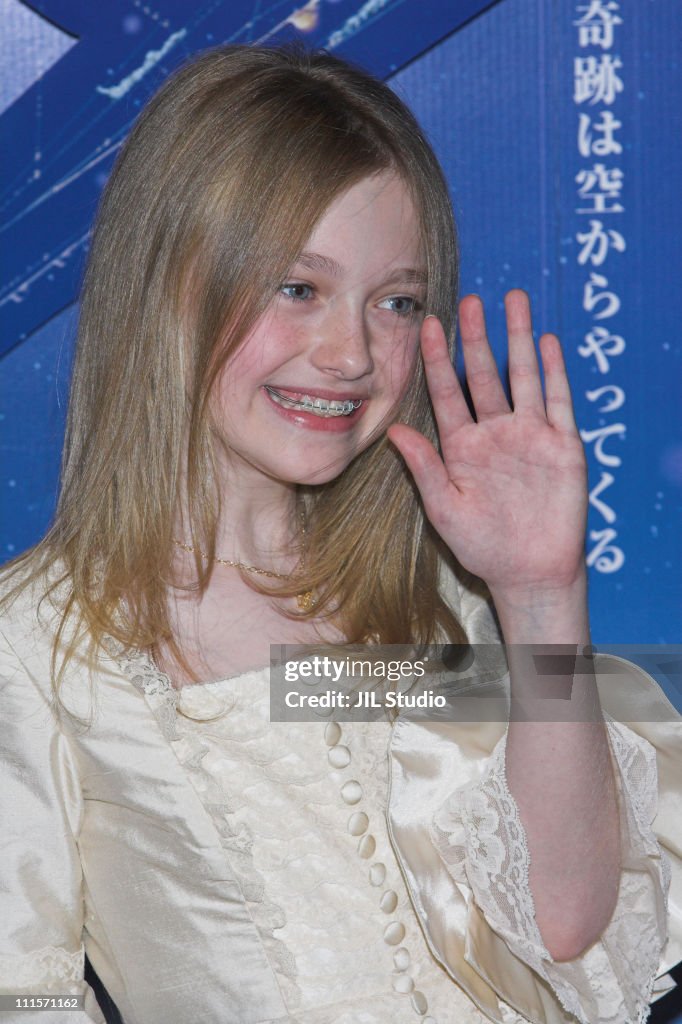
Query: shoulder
{"x": 31, "y": 603}
{"x": 47, "y": 650}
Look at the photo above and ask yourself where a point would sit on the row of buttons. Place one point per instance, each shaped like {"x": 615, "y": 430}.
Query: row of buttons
{"x": 339, "y": 757}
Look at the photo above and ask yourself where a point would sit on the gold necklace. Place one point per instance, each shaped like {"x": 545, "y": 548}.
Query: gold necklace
{"x": 305, "y": 599}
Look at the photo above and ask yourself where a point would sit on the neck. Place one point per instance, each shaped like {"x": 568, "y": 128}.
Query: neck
{"x": 259, "y": 521}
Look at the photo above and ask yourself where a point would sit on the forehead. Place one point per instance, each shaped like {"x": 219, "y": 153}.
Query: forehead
{"x": 372, "y": 225}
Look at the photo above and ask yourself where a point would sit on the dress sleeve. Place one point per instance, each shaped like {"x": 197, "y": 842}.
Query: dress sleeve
{"x": 41, "y": 902}
{"x": 464, "y": 854}
{"x": 479, "y": 835}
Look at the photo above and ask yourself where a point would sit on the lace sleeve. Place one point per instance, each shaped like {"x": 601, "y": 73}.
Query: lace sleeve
{"x": 479, "y": 835}
{"x": 41, "y": 949}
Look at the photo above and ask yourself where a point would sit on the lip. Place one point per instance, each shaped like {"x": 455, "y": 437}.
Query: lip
{"x": 334, "y": 396}
{"x": 308, "y": 420}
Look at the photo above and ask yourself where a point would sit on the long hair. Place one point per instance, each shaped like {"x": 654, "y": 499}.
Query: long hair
{"x": 224, "y": 175}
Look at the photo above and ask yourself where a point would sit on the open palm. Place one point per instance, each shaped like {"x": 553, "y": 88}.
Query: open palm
{"x": 509, "y": 495}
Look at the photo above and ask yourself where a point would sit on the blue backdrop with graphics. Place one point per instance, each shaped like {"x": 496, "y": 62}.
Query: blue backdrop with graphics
{"x": 559, "y": 128}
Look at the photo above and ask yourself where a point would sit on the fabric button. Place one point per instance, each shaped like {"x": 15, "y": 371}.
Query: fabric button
{"x": 339, "y": 756}
{"x": 394, "y": 933}
{"x": 200, "y": 705}
{"x": 358, "y": 823}
{"x": 351, "y": 791}
{"x": 367, "y": 846}
{"x": 389, "y": 901}
{"x": 419, "y": 1002}
{"x": 332, "y": 733}
{"x": 403, "y": 983}
{"x": 377, "y": 874}
{"x": 401, "y": 959}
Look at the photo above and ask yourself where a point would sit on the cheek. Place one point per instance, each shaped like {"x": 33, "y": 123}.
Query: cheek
{"x": 401, "y": 362}
{"x": 267, "y": 348}
{"x": 235, "y": 384}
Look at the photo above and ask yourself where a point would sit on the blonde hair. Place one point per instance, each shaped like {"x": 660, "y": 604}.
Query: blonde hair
{"x": 218, "y": 186}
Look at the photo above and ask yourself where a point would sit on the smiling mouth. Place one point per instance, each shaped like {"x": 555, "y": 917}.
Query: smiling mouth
{"x": 323, "y": 407}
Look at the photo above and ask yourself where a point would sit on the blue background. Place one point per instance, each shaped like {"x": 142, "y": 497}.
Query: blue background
{"x": 495, "y": 93}
{"x": 493, "y": 84}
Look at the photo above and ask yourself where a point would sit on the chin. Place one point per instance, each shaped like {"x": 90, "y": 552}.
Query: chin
{"x": 306, "y": 464}
{"x": 312, "y": 476}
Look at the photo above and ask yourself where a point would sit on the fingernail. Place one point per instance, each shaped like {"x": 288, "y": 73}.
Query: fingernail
{"x": 430, "y": 316}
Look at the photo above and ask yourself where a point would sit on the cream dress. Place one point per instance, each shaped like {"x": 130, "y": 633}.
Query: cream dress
{"x": 221, "y": 868}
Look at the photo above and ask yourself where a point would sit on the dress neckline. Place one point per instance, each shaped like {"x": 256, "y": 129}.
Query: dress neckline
{"x": 202, "y": 684}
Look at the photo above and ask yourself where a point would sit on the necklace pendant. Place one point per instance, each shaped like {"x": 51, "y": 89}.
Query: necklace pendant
{"x": 305, "y": 600}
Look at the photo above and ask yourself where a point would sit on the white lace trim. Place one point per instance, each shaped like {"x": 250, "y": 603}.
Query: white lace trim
{"x": 160, "y": 693}
{"x": 190, "y": 750}
{"x": 480, "y": 837}
{"x": 46, "y": 970}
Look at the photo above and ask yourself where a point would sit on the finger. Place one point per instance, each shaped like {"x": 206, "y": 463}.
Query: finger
{"x": 483, "y": 377}
{"x": 524, "y": 372}
{"x": 557, "y": 388}
{"x": 449, "y": 404}
{"x": 427, "y": 468}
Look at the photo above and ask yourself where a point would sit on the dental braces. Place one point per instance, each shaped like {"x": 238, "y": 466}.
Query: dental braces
{"x": 336, "y": 408}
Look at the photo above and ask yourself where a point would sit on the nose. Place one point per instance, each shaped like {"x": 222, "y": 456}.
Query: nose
{"x": 342, "y": 345}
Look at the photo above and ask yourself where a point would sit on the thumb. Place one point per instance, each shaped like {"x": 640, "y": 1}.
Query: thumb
{"x": 427, "y": 468}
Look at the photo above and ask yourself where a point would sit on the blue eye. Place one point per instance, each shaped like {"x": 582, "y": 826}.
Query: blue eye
{"x": 297, "y": 292}
{"x": 403, "y": 305}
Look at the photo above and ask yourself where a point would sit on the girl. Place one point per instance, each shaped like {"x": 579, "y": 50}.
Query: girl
{"x": 267, "y": 443}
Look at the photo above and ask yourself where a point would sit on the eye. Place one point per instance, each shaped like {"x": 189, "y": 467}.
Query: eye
{"x": 297, "y": 292}
{"x": 403, "y": 305}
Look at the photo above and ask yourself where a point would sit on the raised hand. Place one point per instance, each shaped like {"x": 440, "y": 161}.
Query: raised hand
{"x": 509, "y": 495}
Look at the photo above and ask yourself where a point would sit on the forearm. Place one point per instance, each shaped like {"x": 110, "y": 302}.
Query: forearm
{"x": 559, "y": 769}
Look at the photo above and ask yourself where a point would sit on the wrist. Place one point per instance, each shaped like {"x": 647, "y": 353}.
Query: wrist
{"x": 549, "y": 593}
{"x": 544, "y": 613}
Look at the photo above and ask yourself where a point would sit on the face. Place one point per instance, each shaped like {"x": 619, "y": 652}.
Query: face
{"x": 320, "y": 375}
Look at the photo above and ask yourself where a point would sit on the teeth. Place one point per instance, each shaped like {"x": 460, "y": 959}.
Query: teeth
{"x": 317, "y": 406}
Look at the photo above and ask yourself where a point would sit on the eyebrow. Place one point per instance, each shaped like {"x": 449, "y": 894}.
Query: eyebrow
{"x": 327, "y": 265}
